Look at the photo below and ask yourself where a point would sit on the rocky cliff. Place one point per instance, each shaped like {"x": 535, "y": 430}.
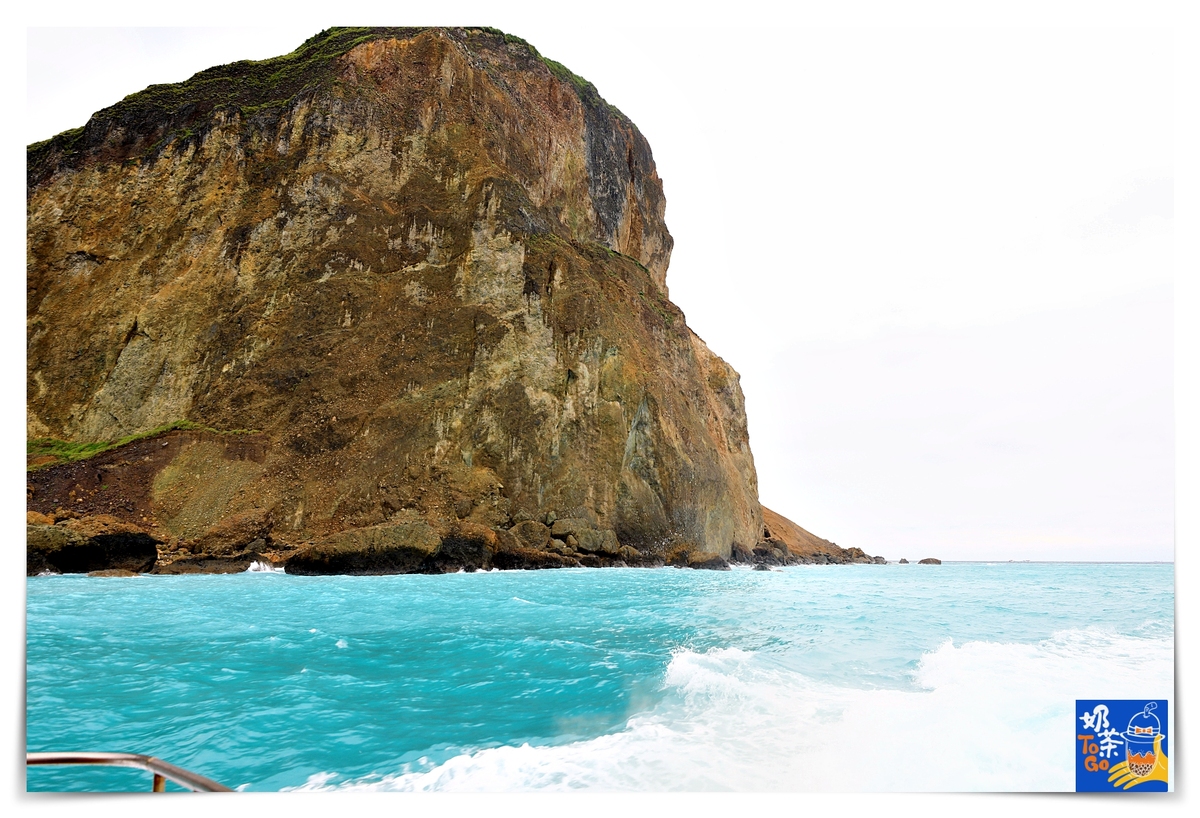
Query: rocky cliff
{"x": 423, "y": 272}
{"x": 786, "y": 542}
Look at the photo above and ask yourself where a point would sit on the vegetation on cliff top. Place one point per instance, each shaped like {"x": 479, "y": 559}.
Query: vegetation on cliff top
{"x": 244, "y": 84}
{"x": 257, "y": 85}
{"x": 585, "y": 89}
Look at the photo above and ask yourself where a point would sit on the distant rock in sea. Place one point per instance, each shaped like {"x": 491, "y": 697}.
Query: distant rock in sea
{"x": 930, "y": 561}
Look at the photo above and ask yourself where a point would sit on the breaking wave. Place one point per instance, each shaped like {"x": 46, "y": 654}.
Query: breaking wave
{"x": 264, "y": 567}
{"x": 975, "y": 716}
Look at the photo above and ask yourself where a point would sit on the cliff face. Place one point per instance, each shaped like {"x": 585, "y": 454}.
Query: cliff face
{"x": 426, "y": 267}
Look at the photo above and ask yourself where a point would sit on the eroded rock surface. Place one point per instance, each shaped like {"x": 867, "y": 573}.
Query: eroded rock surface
{"x": 427, "y": 268}
{"x": 88, "y": 544}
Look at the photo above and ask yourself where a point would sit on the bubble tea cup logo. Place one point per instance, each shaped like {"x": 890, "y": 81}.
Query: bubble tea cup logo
{"x": 1109, "y": 759}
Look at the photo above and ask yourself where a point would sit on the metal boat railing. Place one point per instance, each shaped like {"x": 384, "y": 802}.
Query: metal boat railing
{"x": 161, "y": 769}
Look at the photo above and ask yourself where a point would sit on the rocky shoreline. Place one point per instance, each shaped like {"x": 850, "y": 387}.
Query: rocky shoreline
{"x": 102, "y": 545}
{"x": 109, "y": 512}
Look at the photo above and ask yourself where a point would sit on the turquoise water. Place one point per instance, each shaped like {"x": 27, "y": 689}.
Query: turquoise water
{"x": 812, "y": 677}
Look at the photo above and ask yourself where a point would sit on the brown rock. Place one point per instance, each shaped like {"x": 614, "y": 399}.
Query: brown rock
{"x": 429, "y": 269}
{"x": 383, "y": 549}
{"x": 506, "y": 540}
{"x": 566, "y": 526}
{"x": 532, "y": 534}
{"x": 113, "y": 572}
{"x": 467, "y": 545}
{"x": 468, "y": 531}
{"x": 88, "y": 544}
{"x": 35, "y": 518}
{"x": 604, "y": 541}
{"x": 100, "y": 525}
{"x": 858, "y": 556}
{"x": 528, "y": 558}
{"x": 237, "y": 532}
{"x": 793, "y": 543}
{"x": 563, "y": 547}
{"x": 930, "y": 561}
{"x": 206, "y": 565}
{"x": 707, "y": 560}
{"x": 583, "y": 513}
{"x": 43, "y": 546}
{"x": 513, "y": 553}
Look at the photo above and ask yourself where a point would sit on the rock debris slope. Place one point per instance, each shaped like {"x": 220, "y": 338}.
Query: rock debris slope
{"x": 422, "y": 273}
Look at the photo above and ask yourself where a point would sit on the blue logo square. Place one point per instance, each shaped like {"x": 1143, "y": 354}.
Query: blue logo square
{"x": 1120, "y": 745}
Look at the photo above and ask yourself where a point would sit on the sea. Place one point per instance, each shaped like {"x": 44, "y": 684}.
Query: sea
{"x": 843, "y": 678}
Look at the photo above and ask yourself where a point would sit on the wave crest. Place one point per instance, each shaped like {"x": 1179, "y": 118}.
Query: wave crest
{"x": 978, "y": 716}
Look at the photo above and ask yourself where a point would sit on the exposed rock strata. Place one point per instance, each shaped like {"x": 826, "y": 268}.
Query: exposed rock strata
{"x": 408, "y": 544}
{"x": 428, "y": 268}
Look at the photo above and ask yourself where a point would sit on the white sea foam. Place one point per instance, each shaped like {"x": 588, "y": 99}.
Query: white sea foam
{"x": 264, "y": 567}
{"x": 978, "y": 716}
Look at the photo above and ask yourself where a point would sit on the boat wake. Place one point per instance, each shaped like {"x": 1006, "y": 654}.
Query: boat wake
{"x": 976, "y": 716}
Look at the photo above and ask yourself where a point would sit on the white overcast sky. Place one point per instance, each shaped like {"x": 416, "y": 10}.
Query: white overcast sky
{"x": 938, "y": 249}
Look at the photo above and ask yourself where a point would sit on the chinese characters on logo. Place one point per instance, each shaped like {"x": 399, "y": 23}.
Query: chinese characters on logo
{"x": 1121, "y": 745}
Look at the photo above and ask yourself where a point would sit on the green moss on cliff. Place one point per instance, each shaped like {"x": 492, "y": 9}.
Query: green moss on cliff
{"x": 254, "y": 86}
{"x": 586, "y": 90}
{"x": 66, "y": 140}
{"x": 67, "y": 451}
{"x": 250, "y": 86}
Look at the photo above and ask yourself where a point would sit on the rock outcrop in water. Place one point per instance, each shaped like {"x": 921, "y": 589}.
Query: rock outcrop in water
{"x": 421, "y": 273}
{"x": 80, "y": 546}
